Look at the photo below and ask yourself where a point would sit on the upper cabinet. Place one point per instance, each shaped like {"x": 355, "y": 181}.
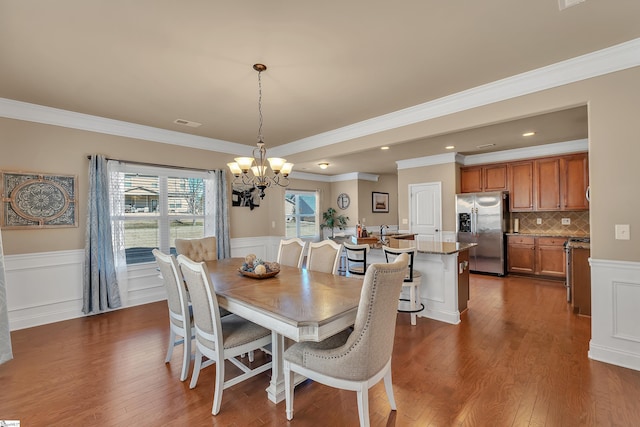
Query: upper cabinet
{"x": 561, "y": 183}
{"x": 545, "y": 184}
{"x": 476, "y": 179}
{"x": 521, "y": 186}
{"x": 575, "y": 182}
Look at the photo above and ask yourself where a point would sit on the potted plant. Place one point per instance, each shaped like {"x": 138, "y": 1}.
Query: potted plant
{"x": 332, "y": 221}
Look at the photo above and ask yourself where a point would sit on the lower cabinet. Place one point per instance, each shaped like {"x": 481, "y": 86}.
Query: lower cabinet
{"x": 535, "y": 255}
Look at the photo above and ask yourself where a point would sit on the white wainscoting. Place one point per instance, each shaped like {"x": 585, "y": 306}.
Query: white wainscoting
{"x": 615, "y": 313}
{"x": 46, "y": 287}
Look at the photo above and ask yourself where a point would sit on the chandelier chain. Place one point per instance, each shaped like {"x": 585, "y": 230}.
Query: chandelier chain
{"x": 260, "y": 106}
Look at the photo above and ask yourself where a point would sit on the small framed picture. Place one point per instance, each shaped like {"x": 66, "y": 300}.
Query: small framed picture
{"x": 380, "y": 202}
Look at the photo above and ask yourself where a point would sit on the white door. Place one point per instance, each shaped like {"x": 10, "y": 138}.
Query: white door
{"x": 426, "y": 210}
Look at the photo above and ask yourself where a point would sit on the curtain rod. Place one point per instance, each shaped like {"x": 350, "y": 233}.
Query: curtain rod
{"x": 158, "y": 165}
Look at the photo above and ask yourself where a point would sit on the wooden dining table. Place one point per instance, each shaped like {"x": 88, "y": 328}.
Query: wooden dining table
{"x": 297, "y": 303}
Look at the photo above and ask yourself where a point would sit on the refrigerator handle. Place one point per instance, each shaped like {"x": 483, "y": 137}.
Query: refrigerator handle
{"x": 474, "y": 220}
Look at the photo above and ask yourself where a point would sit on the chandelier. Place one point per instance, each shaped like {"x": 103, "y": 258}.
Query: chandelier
{"x": 250, "y": 175}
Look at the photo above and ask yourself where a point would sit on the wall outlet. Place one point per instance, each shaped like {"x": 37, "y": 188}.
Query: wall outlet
{"x": 566, "y": 221}
{"x": 273, "y": 224}
{"x": 405, "y": 221}
{"x": 622, "y": 232}
{"x": 364, "y": 220}
{"x": 538, "y": 221}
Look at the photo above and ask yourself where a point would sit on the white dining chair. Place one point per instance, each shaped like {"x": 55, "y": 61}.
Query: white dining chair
{"x": 291, "y": 252}
{"x": 412, "y": 282}
{"x": 324, "y": 256}
{"x": 180, "y": 325}
{"x": 198, "y": 250}
{"x": 355, "y": 359}
{"x": 219, "y": 338}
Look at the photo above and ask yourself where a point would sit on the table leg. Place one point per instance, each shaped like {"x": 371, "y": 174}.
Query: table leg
{"x": 275, "y": 391}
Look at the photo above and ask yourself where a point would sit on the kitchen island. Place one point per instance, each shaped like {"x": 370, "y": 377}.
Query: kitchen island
{"x": 444, "y": 289}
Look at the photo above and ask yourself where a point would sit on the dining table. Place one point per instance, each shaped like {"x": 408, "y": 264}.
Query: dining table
{"x": 298, "y": 304}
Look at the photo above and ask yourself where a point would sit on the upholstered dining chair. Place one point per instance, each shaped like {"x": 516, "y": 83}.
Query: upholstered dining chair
{"x": 219, "y": 338}
{"x": 356, "y": 256}
{"x": 203, "y": 249}
{"x": 291, "y": 252}
{"x": 412, "y": 281}
{"x": 355, "y": 359}
{"x": 198, "y": 250}
{"x": 324, "y": 256}
{"x": 180, "y": 327}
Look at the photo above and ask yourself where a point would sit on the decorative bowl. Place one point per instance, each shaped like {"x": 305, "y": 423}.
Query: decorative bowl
{"x": 258, "y": 276}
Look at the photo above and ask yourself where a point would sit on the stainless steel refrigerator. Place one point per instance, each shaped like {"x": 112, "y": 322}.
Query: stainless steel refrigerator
{"x": 483, "y": 218}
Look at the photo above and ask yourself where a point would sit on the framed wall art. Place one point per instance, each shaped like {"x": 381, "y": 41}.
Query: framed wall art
{"x": 380, "y": 202}
{"x": 38, "y": 200}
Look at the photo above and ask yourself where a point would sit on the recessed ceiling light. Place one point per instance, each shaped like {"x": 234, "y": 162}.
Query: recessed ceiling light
{"x": 450, "y": 147}
{"x": 323, "y": 165}
{"x": 528, "y": 134}
{"x": 384, "y": 148}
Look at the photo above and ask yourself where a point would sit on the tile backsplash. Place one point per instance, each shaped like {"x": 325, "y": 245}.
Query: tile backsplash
{"x": 552, "y": 222}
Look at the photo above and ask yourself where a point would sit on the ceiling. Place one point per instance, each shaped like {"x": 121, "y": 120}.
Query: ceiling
{"x": 330, "y": 64}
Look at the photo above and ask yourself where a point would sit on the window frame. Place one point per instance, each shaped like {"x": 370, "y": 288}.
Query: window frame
{"x": 316, "y": 195}
{"x": 163, "y": 215}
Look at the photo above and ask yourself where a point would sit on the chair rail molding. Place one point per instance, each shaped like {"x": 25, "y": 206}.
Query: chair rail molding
{"x": 615, "y": 298}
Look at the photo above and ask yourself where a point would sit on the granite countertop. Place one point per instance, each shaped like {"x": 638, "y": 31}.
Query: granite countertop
{"x": 567, "y": 235}
{"x": 440, "y": 248}
{"x": 443, "y": 248}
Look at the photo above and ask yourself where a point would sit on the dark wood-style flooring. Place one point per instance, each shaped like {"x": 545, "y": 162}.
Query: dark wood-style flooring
{"x": 519, "y": 358}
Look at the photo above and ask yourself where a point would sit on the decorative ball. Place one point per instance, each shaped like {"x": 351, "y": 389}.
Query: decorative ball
{"x": 260, "y": 269}
{"x": 249, "y": 259}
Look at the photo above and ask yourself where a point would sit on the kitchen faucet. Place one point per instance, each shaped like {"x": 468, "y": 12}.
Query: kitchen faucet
{"x": 382, "y": 240}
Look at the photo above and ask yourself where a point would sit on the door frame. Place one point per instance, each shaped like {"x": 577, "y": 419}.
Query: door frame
{"x": 438, "y": 184}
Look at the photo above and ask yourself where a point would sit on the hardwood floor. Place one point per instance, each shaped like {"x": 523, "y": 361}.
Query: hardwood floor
{"x": 519, "y": 358}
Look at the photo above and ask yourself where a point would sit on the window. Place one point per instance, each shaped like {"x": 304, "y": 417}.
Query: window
{"x": 301, "y": 213}
{"x": 160, "y": 205}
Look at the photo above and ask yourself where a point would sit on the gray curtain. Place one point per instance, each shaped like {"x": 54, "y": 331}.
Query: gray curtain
{"x": 221, "y": 213}
{"x": 5, "y": 335}
{"x": 100, "y": 287}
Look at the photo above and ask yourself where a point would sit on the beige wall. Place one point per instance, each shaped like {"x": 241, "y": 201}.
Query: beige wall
{"x": 350, "y": 188}
{"x": 447, "y": 174}
{"x": 614, "y": 150}
{"x": 33, "y": 147}
{"x": 386, "y": 184}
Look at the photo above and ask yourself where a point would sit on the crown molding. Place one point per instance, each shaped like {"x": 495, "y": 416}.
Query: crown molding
{"x": 353, "y": 176}
{"x": 438, "y": 159}
{"x": 616, "y": 58}
{"x": 577, "y": 146}
{"x": 12, "y": 109}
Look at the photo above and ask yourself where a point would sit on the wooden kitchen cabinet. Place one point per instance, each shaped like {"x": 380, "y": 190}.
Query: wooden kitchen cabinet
{"x": 575, "y": 182}
{"x": 477, "y": 179}
{"x": 521, "y": 186}
{"x": 561, "y": 183}
{"x": 550, "y": 257}
{"x": 547, "y": 184}
{"x": 521, "y": 254}
{"x": 540, "y": 256}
